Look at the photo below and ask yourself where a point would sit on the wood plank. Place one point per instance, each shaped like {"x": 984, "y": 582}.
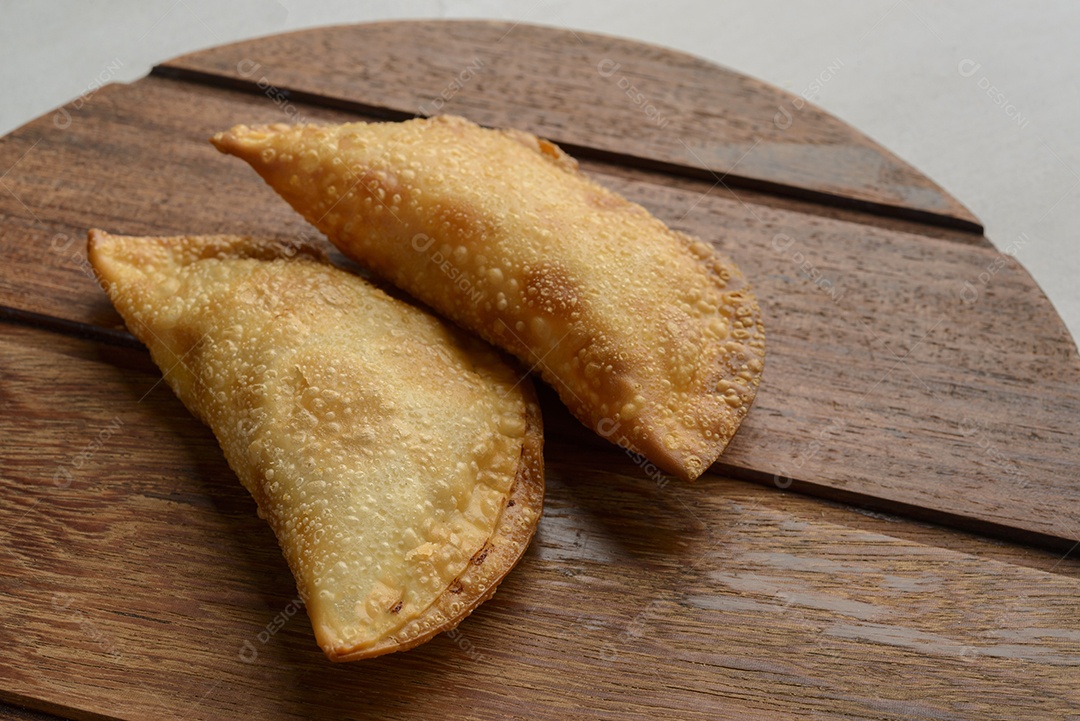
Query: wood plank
{"x": 131, "y": 170}
{"x": 907, "y": 373}
{"x": 882, "y": 385}
{"x": 597, "y": 95}
{"x": 721, "y": 187}
{"x": 137, "y": 580}
{"x": 21, "y": 713}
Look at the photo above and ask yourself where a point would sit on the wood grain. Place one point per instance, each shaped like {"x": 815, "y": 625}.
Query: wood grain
{"x": 136, "y": 581}
{"x": 599, "y": 96}
{"x": 12, "y": 712}
{"x": 883, "y": 385}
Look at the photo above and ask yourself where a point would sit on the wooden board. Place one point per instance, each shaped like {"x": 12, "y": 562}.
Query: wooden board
{"x": 597, "y": 95}
{"x": 137, "y": 581}
{"x": 870, "y": 341}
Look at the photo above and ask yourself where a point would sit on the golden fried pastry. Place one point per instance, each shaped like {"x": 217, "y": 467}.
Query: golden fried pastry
{"x": 397, "y": 459}
{"x": 649, "y": 337}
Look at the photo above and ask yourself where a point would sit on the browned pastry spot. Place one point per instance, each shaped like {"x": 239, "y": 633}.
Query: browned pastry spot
{"x": 650, "y": 337}
{"x": 386, "y": 449}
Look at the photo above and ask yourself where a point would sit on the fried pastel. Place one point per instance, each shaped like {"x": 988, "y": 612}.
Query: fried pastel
{"x": 649, "y": 337}
{"x": 397, "y": 459}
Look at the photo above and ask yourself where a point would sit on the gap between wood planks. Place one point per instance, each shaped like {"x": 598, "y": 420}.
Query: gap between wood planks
{"x": 120, "y": 338}
{"x": 117, "y": 337}
{"x": 628, "y": 160}
{"x": 556, "y": 425}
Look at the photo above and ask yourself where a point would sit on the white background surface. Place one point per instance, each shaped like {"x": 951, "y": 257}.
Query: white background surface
{"x": 1012, "y": 156}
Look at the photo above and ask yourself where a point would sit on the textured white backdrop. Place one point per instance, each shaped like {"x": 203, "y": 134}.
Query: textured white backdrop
{"x": 998, "y": 136}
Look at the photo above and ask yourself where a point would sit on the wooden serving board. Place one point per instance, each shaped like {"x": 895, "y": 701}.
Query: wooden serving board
{"x": 914, "y": 375}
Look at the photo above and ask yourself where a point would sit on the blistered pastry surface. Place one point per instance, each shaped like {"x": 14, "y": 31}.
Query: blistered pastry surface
{"x": 380, "y": 444}
{"x": 649, "y": 336}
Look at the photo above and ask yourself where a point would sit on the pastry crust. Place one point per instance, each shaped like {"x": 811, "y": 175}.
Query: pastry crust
{"x": 651, "y": 338}
{"x": 397, "y": 459}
